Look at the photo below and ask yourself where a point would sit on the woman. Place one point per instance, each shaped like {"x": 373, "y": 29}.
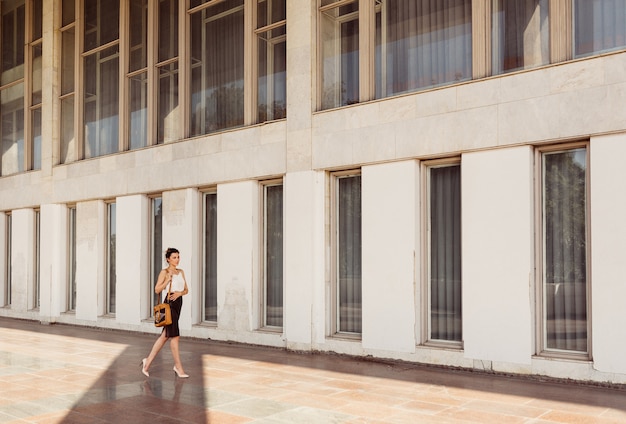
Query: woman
{"x": 177, "y": 291}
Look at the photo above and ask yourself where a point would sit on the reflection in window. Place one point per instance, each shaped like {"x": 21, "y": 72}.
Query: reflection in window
{"x": 339, "y": 34}
{"x": 273, "y": 255}
{"x": 520, "y": 34}
{"x": 349, "y": 254}
{"x": 564, "y": 203}
{"x": 599, "y": 26}
{"x": 138, "y": 79}
{"x": 12, "y": 110}
{"x": 444, "y": 220}
{"x": 156, "y": 262}
{"x": 422, "y": 44}
{"x": 111, "y": 249}
{"x": 217, "y": 41}
{"x": 272, "y": 45}
{"x": 8, "y": 255}
{"x": 71, "y": 283}
{"x": 210, "y": 257}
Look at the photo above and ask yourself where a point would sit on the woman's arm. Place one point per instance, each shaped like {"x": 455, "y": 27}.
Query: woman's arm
{"x": 162, "y": 281}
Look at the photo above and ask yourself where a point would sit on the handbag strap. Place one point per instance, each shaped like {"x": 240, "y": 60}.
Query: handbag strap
{"x": 169, "y": 287}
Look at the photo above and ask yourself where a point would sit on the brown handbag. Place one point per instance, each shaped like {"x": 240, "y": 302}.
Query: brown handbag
{"x": 162, "y": 311}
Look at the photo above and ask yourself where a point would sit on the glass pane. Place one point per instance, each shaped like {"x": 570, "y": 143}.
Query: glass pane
{"x": 599, "y": 25}
{"x": 37, "y": 19}
{"x": 270, "y": 11}
{"x": 520, "y": 34}
{"x": 272, "y": 88}
{"x": 36, "y": 276}
{"x": 72, "y": 259}
{"x": 157, "y": 246}
{"x": 8, "y": 256}
{"x": 340, "y": 56}
{"x": 111, "y": 276}
{"x": 422, "y": 44}
{"x": 138, "y": 120}
{"x": 37, "y": 76}
{"x": 217, "y": 39}
{"x": 274, "y": 256}
{"x": 138, "y": 33}
{"x": 194, "y": 3}
{"x": 67, "y": 61}
{"x": 36, "y": 147}
{"x": 169, "y": 126}
{"x": 168, "y": 29}
{"x": 349, "y": 254}
{"x": 445, "y": 253}
{"x": 210, "y": 257}
{"x": 68, "y": 12}
{"x": 68, "y": 142}
{"x": 13, "y": 40}
{"x": 12, "y": 109}
{"x": 565, "y": 250}
{"x": 102, "y": 21}
{"x": 101, "y": 102}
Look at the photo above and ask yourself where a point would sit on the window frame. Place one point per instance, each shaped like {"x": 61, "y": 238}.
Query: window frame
{"x": 36, "y": 284}
{"x": 333, "y": 328}
{"x": 71, "y": 258}
{"x": 205, "y": 194}
{"x": 540, "y": 308}
{"x": 8, "y": 254}
{"x": 426, "y": 336}
{"x": 110, "y": 260}
{"x": 263, "y": 306}
{"x": 154, "y": 268}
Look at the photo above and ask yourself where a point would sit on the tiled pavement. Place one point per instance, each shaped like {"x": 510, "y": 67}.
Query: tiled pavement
{"x": 67, "y": 374}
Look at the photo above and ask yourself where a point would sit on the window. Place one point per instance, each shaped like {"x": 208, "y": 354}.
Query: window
{"x": 37, "y": 262}
{"x": 68, "y": 144}
{"x": 167, "y": 70}
{"x": 217, "y": 67}
{"x": 339, "y": 36}
{"x": 101, "y": 77}
{"x": 346, "y": 209}
{"x": 564, "y": 273}
{"x": 138, "y": 74}
{"x": 271, "y": 34}
{"x": 7, "y": 258}
{"x": 110, "y": 268}
{"x": 444, "y": 252}
{"x": 520, "y": 34}
{"x": 599, "y": 26}
{"x": 272, "y": 254}
{"x": 71, "y": 283}
{"x": 210, "y": 257}
{"x": 156, "y": 247}
{"x": 422, "y": 44}
{"x": 34, "y": 145}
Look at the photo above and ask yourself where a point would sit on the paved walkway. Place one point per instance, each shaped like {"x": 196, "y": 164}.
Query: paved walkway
{"x": 67, "y": 374}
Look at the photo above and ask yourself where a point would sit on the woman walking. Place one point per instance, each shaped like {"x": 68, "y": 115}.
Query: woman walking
{"x": 176, "y": 277}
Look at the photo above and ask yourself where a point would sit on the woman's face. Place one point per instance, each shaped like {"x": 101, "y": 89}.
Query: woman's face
{"x": 174, "y": 259}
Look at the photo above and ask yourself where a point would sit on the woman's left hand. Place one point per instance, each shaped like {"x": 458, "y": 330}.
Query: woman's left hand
{"x": 175, "y": 295}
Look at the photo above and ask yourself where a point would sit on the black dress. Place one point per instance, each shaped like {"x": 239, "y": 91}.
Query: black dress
{"x": 172, "y": 329}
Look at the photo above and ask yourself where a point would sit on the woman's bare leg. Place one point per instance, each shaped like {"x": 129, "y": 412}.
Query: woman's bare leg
{"x": 175, "y": 353}
{"x": 156, "y": 348}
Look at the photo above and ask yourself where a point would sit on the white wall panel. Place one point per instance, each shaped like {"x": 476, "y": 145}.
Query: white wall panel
{"x": 497, "y": 254}
{"x": 53, "y": 261}
{"x": 22, "y": 259}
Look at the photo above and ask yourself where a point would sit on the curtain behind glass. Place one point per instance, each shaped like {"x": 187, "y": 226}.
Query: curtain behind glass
{"x": 274, "y": 255}
{"x": 599, "y": 25}
{"x": 520, "y": 34}
{"x": 210, "y": 257}
{"x": 565, "y": 250}
{"x": 12, "y": 147}
{"x": 445, "y": 253}
{"x": 217, "y": 42}
{"x": 349, "y": 253}
{"x": 422, "y": 44}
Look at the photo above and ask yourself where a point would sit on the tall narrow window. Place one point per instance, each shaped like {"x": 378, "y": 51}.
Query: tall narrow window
{"x": 37, "y": 262}
{"x": 111, "y": 245}
{"x": 339, "y": 34}
{"x": 422, "y": 44}
{"x": 273, "y": 255}
{"x": 68, "y": 148}
{"x": 8, "y": 257}
{"x": 157, "y": 254}
{"x": 599, "y": 26}
{"x": 217, "y": 67}
{"x": 210, "y": 257}
{"x": 444, "y": 250}
{"x": 34, "y": 156}
{"x": 565, "y": 256}
{"x": 101, "y": 78}
{"x": 138, "y": 74}
{"x": 348, "y": 253}
{"x": 272, "y": 44}
{"x": 520, "y": 34}
{"x": 71, "y": 275}
{"x": 169, "y": 118}
{"x": 12, "y": 76}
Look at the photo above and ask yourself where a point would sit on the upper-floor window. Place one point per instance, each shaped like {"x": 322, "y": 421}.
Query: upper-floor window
{"x": 599, "y": 26}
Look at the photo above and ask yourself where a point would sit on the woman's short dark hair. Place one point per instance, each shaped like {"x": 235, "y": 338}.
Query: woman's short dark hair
{"x": 169, "y": 252}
